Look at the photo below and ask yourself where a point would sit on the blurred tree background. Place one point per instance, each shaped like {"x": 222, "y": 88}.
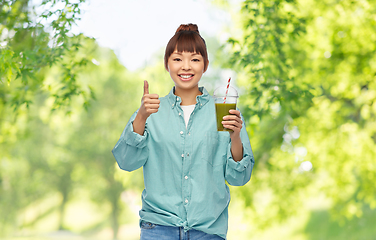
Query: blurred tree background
{"x": 307, "y": 75}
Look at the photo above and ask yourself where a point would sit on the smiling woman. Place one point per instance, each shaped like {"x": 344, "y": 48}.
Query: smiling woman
{"x": 186, "y": 161}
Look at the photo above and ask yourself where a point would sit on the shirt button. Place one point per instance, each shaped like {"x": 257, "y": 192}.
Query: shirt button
{"x": 186, "y": 177}
{"x": 186, "y": 200}
{"x": 182, "y": 155}
{"x": 181, "y": 132}
{"x": 172, "y": 104}
{"x": 187, "y": 154}
{"x": 179, "y": 114}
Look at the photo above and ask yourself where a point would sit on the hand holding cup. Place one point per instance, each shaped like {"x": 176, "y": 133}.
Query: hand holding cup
{"x": 233, "y": 122}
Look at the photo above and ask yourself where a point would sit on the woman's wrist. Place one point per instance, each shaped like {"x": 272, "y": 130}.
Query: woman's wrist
{"x": 235, "y": 137}
{"x": 139, "y": 124}
{"x": 236, "y": 147}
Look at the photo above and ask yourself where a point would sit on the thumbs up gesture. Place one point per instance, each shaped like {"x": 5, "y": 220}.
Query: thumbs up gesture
{"x": 149, "y": 102}
{"x": 149, "y": 105}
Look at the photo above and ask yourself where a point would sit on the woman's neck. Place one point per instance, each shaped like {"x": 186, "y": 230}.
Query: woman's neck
{"x": 188, "y": 96}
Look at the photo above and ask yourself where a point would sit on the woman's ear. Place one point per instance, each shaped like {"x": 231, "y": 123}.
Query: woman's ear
{"x": 166, "y": 67}
{"x": 207, "y": 65}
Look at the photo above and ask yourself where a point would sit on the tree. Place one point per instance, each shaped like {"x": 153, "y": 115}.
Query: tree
{"x": 36, "y": 38}
{"x": 309, "y": 74}
{"x": 32, "y": 41}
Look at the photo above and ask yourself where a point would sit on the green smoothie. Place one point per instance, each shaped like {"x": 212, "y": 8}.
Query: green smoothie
{"x": 222, "y": 109}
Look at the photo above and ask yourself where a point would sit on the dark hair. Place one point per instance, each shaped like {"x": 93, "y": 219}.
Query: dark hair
{"x": 187, "y": 38}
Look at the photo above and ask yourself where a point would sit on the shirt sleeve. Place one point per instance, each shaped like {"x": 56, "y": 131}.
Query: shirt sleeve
{"x": 131, "y": 151}
{"x": 239, "y": 173}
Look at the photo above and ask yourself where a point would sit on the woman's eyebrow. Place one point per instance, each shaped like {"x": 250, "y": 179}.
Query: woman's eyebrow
{"x": 180, "y": 53}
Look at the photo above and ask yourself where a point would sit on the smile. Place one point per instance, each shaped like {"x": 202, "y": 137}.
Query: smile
{"x": 185, "y": 77}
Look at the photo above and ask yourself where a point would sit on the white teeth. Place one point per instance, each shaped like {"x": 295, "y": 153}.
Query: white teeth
{"x": 185, "y": 76}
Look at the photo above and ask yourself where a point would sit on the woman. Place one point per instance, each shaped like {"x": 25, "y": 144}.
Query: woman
{"x": 185, "y": 160}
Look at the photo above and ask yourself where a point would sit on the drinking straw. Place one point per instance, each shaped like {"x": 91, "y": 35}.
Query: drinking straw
{"x": 228, "y": 85}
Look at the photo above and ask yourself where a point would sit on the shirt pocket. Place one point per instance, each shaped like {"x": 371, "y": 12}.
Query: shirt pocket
{"x": 214, "y": 148}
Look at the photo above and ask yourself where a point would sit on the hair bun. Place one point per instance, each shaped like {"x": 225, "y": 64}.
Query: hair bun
{"x": 188, "y": 27}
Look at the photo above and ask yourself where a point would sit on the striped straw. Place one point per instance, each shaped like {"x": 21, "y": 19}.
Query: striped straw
{"x": 228, "y": 85}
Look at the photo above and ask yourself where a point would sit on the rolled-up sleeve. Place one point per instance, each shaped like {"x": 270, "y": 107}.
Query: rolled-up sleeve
{"x": 131, "y": 151}
{"x": 239, "y": 173}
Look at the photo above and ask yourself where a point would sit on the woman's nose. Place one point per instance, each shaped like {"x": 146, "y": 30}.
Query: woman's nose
{"x": 186, "y": 65}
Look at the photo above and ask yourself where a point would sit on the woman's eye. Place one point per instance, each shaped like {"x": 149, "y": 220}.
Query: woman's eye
{"x": 177, "y": 59}
{"x": 195, "y": 60}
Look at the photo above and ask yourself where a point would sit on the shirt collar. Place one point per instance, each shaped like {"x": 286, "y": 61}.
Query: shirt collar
{"x": 200, "y": 99}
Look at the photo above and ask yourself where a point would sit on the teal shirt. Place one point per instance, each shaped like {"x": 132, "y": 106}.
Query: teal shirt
{"x": 185, "y": 168}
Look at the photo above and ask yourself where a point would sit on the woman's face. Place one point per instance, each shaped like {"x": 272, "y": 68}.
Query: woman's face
{"x": 185, "y": 69}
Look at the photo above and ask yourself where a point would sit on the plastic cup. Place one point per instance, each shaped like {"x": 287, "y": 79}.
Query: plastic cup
{"x": 223, "y": 103}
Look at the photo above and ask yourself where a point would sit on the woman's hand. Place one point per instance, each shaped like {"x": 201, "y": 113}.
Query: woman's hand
{"x": 233, "y": 122}
{"x": 149, "y": 105}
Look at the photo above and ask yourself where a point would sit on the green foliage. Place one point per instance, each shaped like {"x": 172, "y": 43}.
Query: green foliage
{"x": 268, "y": 50}
{"x": 321, "y": 226}
{"x": 309, "y": 74}
{"x": 32, "y": 42}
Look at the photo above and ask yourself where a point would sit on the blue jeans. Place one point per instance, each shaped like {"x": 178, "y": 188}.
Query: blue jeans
{"x": 150, "y": 231}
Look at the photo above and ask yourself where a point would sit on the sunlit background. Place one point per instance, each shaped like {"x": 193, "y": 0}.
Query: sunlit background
{"x": 136, "y": 30}
{"x": 72, "y": 74}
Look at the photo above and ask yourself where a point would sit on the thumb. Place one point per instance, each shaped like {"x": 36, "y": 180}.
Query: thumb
{"x": 146, "y": 87}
